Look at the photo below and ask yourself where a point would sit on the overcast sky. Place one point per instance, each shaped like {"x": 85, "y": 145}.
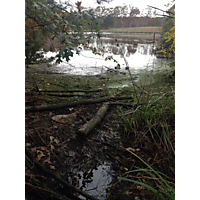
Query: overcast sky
{"x": 141, "y": 4}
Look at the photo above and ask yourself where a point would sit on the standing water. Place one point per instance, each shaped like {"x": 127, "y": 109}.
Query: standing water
{"x": 138, "y": 53}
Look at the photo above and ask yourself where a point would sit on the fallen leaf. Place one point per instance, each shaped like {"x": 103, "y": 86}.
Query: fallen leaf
{"x": 130, "y": 149}
{"x": 40, "y": 156}
{"x": 52, "y": 167}
{"x": 139, "y": 188}
{"x": 51, "y": 139}
{"x": 28, "y": 144}
{"x": 56, "y": 141}
{"x": 47, "y": 160}
{"x": 126, "y": 168}
{"x": 43, "y": 148}
{"x": 33, "y": 149}
{"x": 137, "y": 149}
{"x": 52, "y": 147}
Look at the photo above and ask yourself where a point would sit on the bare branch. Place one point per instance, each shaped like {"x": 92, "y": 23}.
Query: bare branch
{"x": 162, "y": 10}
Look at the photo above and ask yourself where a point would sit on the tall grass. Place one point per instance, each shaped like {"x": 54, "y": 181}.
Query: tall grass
{"x": 153, "y": 119}
{"x": 167, "y": 190}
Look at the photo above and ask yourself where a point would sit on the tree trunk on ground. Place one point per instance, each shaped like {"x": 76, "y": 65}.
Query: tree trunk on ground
{"x": 71, "y": 104}
{"x": 68, "y": 95}
{"x": 89, "y": 126}
{"x": 71, "y": 91}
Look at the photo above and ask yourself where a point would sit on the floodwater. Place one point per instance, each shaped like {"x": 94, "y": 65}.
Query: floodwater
{"x": 137, "y": 52}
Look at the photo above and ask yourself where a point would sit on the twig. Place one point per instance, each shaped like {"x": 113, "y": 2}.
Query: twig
{"x": 161, "y": 10}
{"x": 37, "y": 89}
{"x": 134, "y": 84}
{"x": 162, "y": 93}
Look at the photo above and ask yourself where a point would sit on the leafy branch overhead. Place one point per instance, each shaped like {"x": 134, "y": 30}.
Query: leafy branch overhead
{"x": 168, "y": 36}
{"x": 49, "y": 20}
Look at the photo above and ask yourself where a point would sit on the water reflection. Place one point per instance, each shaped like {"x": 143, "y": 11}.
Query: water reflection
{"x": 138, "y": 54}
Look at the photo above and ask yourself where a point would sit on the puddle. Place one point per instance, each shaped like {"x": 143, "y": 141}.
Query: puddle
{"x": 88, "y": 169}
{"x": 96, "y": 181}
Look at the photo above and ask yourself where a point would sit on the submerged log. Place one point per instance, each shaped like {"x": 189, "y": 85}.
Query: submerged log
{"x": 89, "y": 126}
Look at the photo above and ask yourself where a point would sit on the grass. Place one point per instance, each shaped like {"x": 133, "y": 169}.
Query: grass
{"x": 148, "y": 29}
{"x": 154, "y": 121}
{"x": 167, "y": 186}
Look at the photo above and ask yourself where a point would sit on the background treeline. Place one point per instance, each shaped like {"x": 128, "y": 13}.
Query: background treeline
{"x": 123, "y": 17}
{"x": 127, "y": 22}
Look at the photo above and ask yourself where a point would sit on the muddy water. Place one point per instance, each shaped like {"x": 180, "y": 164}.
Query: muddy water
{"x": 135, "y": 48}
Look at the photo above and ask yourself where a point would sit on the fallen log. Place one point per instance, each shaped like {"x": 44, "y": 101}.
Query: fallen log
{"x": 89, "y": 126}
{"x": 70, "y": 91}
{"x": 67, "y": 95}
{"x": 71, "y": 104}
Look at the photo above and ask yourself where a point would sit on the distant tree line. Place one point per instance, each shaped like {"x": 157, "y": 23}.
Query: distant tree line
{"x": 123, "y": 17}
{"x": 126, "y": 22}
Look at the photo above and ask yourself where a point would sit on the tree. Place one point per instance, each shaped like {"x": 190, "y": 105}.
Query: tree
{"x": 34, "y": 40}
{"x": 50, "y": 20}
{"x": 168, "y": 37}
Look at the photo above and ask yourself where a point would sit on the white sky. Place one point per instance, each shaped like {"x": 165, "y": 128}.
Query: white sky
{"x": 141, "y": 4}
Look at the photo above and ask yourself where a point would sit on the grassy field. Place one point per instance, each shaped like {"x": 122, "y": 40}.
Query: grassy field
{"x": 148, "y": 29}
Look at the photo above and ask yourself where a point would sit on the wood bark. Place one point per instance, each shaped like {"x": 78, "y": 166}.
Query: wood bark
{"x": 71, "y": 104}
{"x": 89, "y": 126}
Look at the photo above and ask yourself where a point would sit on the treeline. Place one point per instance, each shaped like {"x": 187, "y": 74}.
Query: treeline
{"x": 126, "y": 16}
{"x": 127, "y": 22}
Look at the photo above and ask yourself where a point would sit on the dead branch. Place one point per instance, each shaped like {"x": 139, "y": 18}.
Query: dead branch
{"x": 70, "y": 91}
{"x": 168, "y": 12}
{"x": 71, "y": 104}
{"x": 68, "y": 95}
